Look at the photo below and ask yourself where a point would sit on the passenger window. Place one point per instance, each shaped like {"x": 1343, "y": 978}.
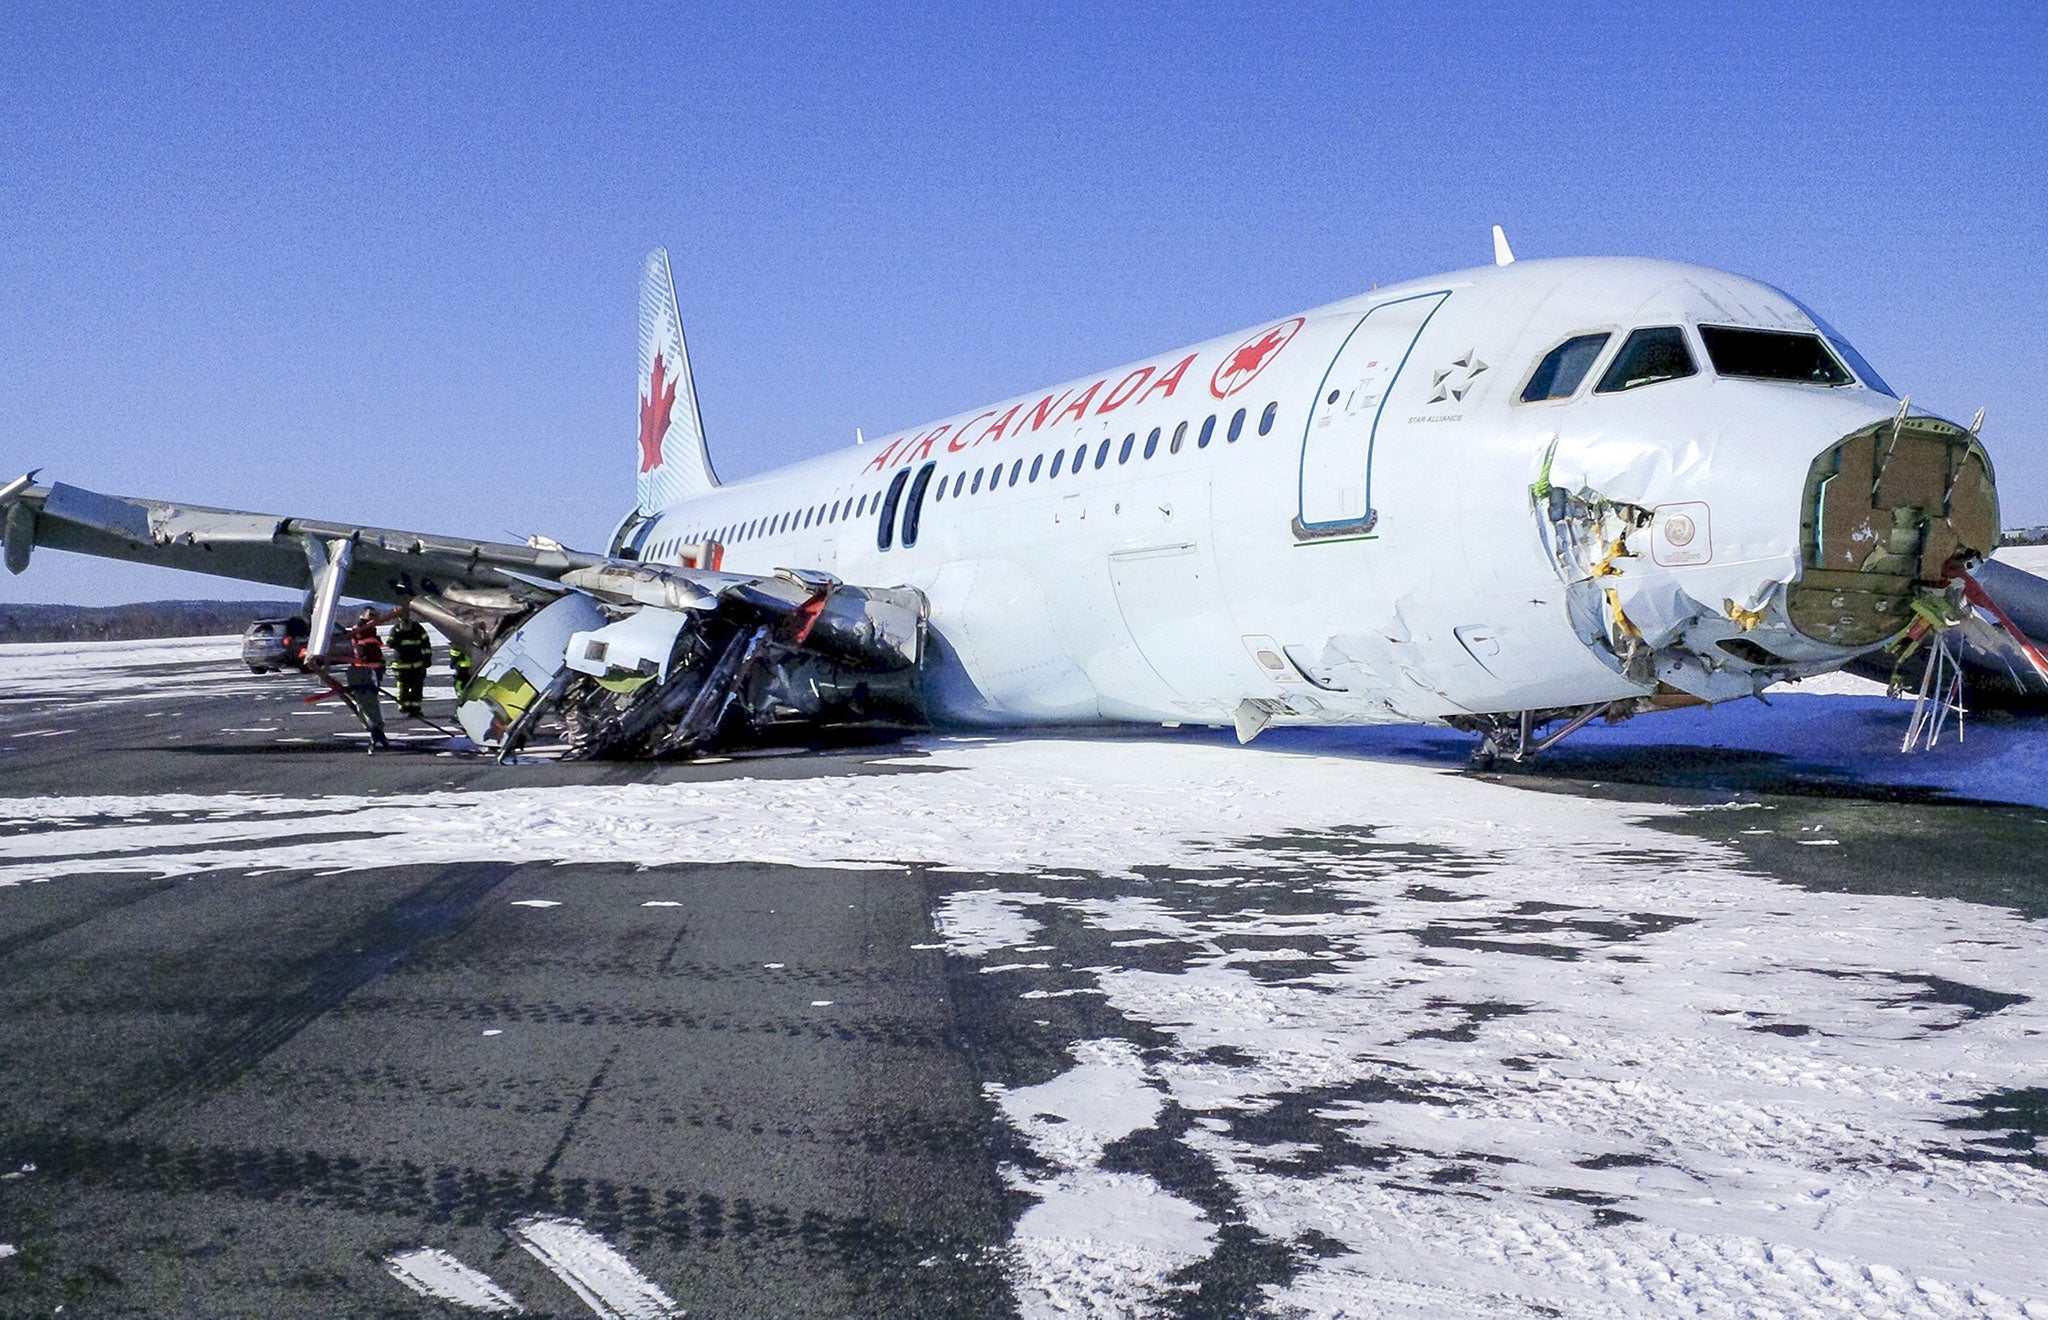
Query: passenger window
{"x": 1152, "y": 443}
{"x": 1080, "y": 453}
{"x": 1558, "y": 375}
{"x": 1123, "y": 455}
{"x": 1266, "y": 417}
{"x": 975, "y": 489}
{"x": 1059, "y": 460}
{"x": 914, "y": 508}
{"x": 1016, "y": 468}
{"x": 1180, "y": 435}
{"x": 1647, "y": 357}
{"x": 1771, "y": 355}
{"x": 1236, "y": 426}
{"x": 1037, "y": 461}
{"x": 958, "y": 482}
{"x": 1208, "y": 431}
{"x": 807, "y": 516}
{"x": 887, "y": 529}
{"x": 1102, "y": 454}
{"x": 939, "y": 491}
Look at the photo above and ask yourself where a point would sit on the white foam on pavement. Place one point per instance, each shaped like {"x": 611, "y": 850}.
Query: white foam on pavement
{"x": 434, "y": 1273}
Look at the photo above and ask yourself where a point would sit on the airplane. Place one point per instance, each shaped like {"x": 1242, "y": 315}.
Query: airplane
{"x": 1512, "y": 499}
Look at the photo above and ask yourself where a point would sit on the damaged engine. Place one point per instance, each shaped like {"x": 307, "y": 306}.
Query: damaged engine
{"x": 648, "y": 661}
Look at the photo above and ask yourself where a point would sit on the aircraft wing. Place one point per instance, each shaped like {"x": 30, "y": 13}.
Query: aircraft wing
{"x": 633, "y": 658}
{"x": 383, "y": 564}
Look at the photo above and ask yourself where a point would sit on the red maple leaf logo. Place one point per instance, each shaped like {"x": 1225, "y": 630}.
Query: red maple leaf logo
{"x": 1249, "y": 358}
{"x": 1253, "y": 356}
{"x": 654, "y": 412}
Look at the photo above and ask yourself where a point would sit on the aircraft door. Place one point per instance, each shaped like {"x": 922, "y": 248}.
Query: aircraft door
{"x": 1171, "y": 599}
{"x": 1336, "y": 446}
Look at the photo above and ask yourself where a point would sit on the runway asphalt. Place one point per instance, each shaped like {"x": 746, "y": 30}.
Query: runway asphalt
{"x": 765, "y": 1089}
{"x": 240, "y": 1093}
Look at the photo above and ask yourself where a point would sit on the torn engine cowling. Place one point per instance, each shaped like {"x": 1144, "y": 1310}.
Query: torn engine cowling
{"x": 648, "y": 661}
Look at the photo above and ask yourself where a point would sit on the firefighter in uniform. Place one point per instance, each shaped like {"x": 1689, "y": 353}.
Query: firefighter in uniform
{"x": 365, "y": 673}
{"x": 411, "y": 652}
{"x": 459, "y": 661}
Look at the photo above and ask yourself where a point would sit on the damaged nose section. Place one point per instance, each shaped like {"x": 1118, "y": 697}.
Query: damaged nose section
{"x": 1889, "y": 511}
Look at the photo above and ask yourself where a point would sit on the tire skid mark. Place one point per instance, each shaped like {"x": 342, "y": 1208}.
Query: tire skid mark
{"x": 904, "y": 1033}
{"x": 438, "y": 908}
{"x": 128, "y": 897}
{"x": 881, "y": 1255}
{"x": 908, "y": 1134}
{"x": 456, "y": 961}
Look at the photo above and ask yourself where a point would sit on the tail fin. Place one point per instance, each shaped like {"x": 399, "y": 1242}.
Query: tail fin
{"x": 673, "y": 462}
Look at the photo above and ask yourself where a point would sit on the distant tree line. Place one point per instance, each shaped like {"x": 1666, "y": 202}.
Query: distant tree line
{"x": 156, "y": 618}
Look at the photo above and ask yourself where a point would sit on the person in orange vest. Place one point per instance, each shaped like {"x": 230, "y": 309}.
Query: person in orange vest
{"x": 366, "y": 673}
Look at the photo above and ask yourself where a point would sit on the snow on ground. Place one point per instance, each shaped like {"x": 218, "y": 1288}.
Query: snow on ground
{"x": 1463, "y": 1048}
{"x": 81, "y": 674}
{"x": 96, "y": 673}
{"x": 1836, "y": 728}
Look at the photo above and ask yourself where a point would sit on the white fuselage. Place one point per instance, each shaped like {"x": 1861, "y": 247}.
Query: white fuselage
{"x": 1372, "y": 553}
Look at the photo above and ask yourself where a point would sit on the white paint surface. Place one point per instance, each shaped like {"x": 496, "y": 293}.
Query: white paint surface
{"x": 594, "y": 1269}
{"x": 434, "y": 1273}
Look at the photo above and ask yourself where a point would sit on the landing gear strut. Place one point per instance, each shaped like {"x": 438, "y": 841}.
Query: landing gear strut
{"x": 1515, "y": 735}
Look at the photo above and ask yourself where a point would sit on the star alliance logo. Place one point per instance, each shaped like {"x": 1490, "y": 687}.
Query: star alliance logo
{"x": 1455, "y": 381}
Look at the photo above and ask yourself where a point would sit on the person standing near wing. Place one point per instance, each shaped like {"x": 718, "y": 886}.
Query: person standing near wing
{"x": 366, "y": 672}
{"x": 411, "y": 652}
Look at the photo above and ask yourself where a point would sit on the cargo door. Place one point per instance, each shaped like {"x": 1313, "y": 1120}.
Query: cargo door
{"x": 1336, "y": 447}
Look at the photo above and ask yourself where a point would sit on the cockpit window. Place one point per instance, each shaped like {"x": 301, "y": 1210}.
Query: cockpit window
{"x": 1772, "y": 355}
{"x": 1648, "y": 356}
{"x": 1563, "y": 367}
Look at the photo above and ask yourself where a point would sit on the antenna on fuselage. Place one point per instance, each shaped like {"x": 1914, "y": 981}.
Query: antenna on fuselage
{"x": 858, "y": 438}
{"x": 1503, "y": 255}
{"x": 1977, "y": 422}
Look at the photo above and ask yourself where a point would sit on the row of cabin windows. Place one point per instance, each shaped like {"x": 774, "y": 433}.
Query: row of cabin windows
{"x": 888, "y": 499}
{"x": 965, "y": 483}
{"x": 1655, "y": 354}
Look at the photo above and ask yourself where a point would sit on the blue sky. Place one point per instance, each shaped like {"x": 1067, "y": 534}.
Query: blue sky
{"x": 380, "y": 264}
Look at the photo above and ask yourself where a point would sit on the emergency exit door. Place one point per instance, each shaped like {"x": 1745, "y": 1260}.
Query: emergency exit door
{"x": 1344, "y": 420}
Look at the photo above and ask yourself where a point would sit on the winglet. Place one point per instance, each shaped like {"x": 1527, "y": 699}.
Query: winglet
{"x": 11, "y": 492}
{"x": 1502, "y": 254}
